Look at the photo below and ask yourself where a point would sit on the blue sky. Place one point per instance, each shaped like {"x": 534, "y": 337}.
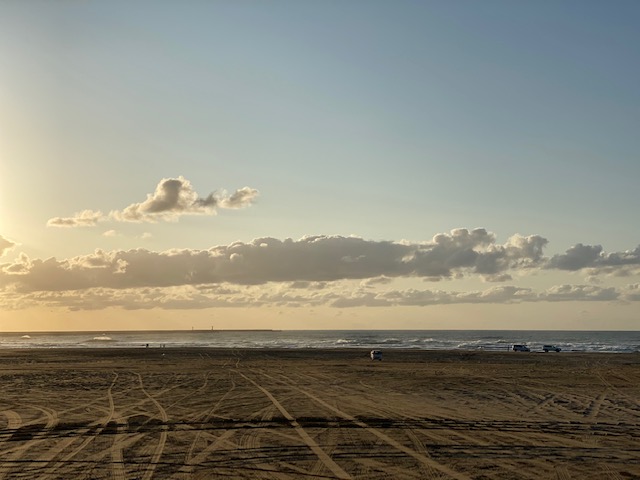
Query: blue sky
{"x": 383, "y": 121}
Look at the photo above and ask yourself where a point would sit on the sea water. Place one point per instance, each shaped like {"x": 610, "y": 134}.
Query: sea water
{"x": 467, "y": 340}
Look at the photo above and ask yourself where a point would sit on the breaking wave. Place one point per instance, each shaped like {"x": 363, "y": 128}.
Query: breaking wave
{"x": 102, "y": 338}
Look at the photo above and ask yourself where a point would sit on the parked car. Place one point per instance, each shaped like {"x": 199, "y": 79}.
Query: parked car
{"x": 550, "y": 348}
{"x": 376, "y": 355}
{"x": 521, "y": 348}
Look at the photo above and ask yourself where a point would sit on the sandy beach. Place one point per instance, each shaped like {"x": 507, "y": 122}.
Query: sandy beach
{"x": 292, "y": 414}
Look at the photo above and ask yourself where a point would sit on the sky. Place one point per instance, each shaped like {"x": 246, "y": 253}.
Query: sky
{"x": 292, "y": 164}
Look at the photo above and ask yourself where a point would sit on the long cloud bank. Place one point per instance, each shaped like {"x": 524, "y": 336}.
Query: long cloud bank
{"x": 451, "y": 255}
{"x": 317, "y": 258}
{"x": 335, "y": 295}
{"x": 172, "y": 198}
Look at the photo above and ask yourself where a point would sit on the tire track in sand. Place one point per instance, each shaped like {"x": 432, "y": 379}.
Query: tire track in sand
{"x": 52, "y": 417}
{"x": 189, "y": 458}
{"x": 593, "y": 410}
{"x": 62, "y": 446}
{"x": 432, "y": 464}
{"x": 562, "y": 473}
{"x": 19, "y": 451}
{"x": 117, "y": 458}
{"x": 155, "y": 458}
{"x": 220, "y": 441}
{"x": 315, "y": 448}
{"x": 14, "y": 420}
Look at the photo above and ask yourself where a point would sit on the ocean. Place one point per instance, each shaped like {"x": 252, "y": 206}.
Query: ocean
{"x": 466, "y": 340}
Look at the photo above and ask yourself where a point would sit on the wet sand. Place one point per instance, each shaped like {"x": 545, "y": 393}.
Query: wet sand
{"x": 293, "y": 414}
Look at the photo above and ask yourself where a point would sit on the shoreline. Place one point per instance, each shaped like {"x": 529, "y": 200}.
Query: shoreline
{"x": 400, "y": 351}
{"x": 468, "y": 341}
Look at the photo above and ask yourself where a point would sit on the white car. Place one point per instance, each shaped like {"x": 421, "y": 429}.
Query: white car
{"x": 376, "y": 355}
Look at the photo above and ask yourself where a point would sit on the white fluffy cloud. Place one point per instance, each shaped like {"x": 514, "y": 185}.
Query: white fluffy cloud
{"x": 241, "y": 198}
{"x": 5, "y": 245}
{"x": 476, "y": 250}
{"x": 311, "y": 259}
{"x": 172, "y": 198}
{"x": 595, "y": 258}
{"x": 85, "y": 218}
{"x": 310, "y": 271}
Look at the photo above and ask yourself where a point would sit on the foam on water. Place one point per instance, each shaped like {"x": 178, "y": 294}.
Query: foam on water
{"x": 102, "y": 338}
{"x": 482, "y": 340}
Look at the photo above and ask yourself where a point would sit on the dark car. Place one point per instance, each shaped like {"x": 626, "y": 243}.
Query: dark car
{"x": 521, "y": 348}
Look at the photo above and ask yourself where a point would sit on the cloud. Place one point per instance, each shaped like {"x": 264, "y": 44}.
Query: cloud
{"x": 563, "y": 293}
{"x": 372, "y": 282}
{"x": 241, "y": 198}
{"x": 422, "y": 298}
{"x": 631, "y": 293}
{"x": 5, "y": 245}
{"x": 85, "y": 218}
{"x": 172, "y": 198}
{"x": 341, "y": 295}
{"x": 310, "y": 259}
{"x": 319, "y": 270}
{"x": 495, "y": 295}
{"x": 175, "y": 197}
{"x": 476, "y": 251}
{"x": 577, "y": 257}
{"x": 593, "y": 257}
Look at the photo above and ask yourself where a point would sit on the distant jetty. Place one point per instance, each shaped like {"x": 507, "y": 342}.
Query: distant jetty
{"x": 241, "y": 330}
